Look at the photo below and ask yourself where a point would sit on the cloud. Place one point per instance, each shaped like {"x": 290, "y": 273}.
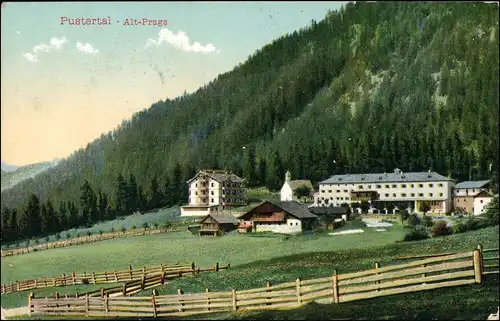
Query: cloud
{"x": 181, "y": 41}
{"x": 54, "y": 44}
{"x": 86, "y": 48}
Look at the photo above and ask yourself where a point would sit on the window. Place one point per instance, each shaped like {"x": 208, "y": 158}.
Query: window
{"x": 196, "y": 193}
{"x": 378, "y": 186}
{"x": 338, "y": 191}
{"x": 394, "y": 195}
{"x": 441, "y": 194}
{"x": 212, "y": 185}
{"x": 420, "y": 194}
{"x": 403, "y": 185}
{"x": 369, "y": 186}
{"x": 291, "y": 223}
{"x": 431, "y": 185}
{"x": 296, "y": 223}
{"x": 412, "y": 194}
{"x": 347, "y": 198}
{"x": 343, "y": 199}
{"x": 387, "y": 186}
{"x": 430, "y": 194}
{"x": 212, "y": 200}
{"x": 345, "y": 191}
{"x": 360, "y": 186}
{"x": 412, "y": 185}
{"x": 440, "y": 185}
{"x": 393, "y": 186}
{"x": 386, "y": 194}
{"x": 337, "y": 198}
{"x": 212, "y": 192}
{"x": 322, "y": 191}
{"x": 403, "y": 194}
{"x": 420, "y": 185}
{"x": 331, "y": 198}
{"x": 481, "y": 201}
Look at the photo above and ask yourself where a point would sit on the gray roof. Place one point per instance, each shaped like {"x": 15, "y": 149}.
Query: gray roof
{"x": 385, "y": 177}
{"x": 471, "y": 184}
{"x": 223, "y": 218}
{"x": 220, "y": 176}
{"x": 328, "y": 210}
{"x": 294, "y": 208}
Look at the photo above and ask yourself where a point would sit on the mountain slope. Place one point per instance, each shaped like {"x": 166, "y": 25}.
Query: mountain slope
{"x": 372, "y": 87}
{"x": 22, "y": 173}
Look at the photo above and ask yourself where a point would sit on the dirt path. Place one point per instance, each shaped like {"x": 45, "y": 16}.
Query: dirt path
{"x": 13, "y": 312}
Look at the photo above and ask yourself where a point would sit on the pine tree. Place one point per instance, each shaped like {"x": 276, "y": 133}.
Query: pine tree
{"x": 275, "y": 171}
{"x": 121, "y": 196}
{"x": 249, "y": 166}
{"x": 156, "y": 195}
{"x": 141, "y": 200}
{"x": 103, "y": 206}
{"x": 6, "y": 232}
{"x": 14, "y": 225}
{"x": 88, "y": 205}
{"x": 132, "y": 201}
{"x": 31, "y": 221}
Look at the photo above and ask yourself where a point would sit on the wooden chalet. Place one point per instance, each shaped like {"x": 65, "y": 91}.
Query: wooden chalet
{"x": 284, "y": 217}
{"x": 331, "y": 216}
{"x": 218, "y": 224}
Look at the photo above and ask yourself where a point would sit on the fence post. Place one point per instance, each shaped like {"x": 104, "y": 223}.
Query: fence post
{"x": 179, "y": 293}
{"x": 19, "y": 286}
{"x": 87, "y": 304}
{"x": 335, "y": 287}
{"x": 57, "y": 295}
{"x": 143, "y": 281}
{"x": 377, "y": 266}
{"x": 162, "y": 268}
{"x": 154, "y": 305}
{"x": 163, "y": 277}
{"x": 297, "y": 289}
{"x": 54, "y": 281}
{"x": 102, "y": 292}
{"x": 192, "y": 268}
{"x": 76, "y": 295}
{"x": 64, "y": 278}
{"x": 124, "y": 289}
{"x": 130, "y": 269}
{"x": 106, "y": 275}
{"x": 208, "y": 299}
{"x": 268, "y": 286}
{"x": 93, "y": 276}
{"x": 30, "y": 298}
{"x": 74, "y": 278}
{"x": 106, "y": 303}
{"x": 116, "y": 277}
{"x": 480, "y": 248}
{"x": 477, "y": 266}
{"x": 4, "y": 290}
{"x": 235, "y": 306}
{"x": 45, "y": 280}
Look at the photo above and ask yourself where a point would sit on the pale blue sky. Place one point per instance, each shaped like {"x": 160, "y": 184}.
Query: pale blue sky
{"x": 67, "y": 97}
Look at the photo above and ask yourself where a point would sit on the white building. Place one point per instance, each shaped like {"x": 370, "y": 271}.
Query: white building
{"x": 481, "y": 200}
{"x": 214, "y": 190}
{"x": 288, "y": 189}
{"x": 405, "y": 190}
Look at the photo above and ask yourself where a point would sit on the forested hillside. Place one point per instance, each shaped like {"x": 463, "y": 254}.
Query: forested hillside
{"x": 371, "y": 87}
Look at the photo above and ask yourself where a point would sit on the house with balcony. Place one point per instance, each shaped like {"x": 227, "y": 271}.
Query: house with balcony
{"x": 212, "y": 191}
{"x": 403, "y": 190}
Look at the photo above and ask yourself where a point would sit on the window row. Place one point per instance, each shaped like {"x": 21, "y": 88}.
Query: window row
{"x": 387, "y": 186}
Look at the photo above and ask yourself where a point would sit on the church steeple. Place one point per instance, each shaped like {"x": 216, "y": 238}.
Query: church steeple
{"x": 288, "y": 177}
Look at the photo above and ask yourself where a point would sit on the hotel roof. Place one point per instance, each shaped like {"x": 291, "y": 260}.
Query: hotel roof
{"x": 397, "y": 176}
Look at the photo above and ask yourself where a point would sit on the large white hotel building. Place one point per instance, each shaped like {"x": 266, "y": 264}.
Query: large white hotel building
{"x": 405, "y": 190}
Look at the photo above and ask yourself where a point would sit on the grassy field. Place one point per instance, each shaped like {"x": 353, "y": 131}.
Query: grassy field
{"x": 472, "y": 302}
{"x": 160, "y": 217}
{"x": 236, "y": 249}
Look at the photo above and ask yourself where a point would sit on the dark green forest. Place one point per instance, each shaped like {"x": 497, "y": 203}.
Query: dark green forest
{"x": 371, "y": 87}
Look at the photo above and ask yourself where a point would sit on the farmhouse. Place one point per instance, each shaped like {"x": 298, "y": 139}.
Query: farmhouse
{"x": 212, "y": 191}
{"x": 218, "y": 224}
{"x": 464, "y": 195}
{"x": 405, "y": 190}
{"x": 481, "y": 200}
{"x": 331, "y": 216}
{"x": 288, "y": 191}
{"x": 285, "y": 217}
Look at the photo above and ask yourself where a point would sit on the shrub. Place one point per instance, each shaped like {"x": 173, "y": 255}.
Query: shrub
{"x": 440, "y": 228}
{"x": 123, "y": 229}
{"x": 419, "y": 232}
{"x": 68, "y": 236}
{"x": 37, "y": 241}
{"x": 427, "y": 221}
{"x": 78, "y": 234}
{"x": 112, "y": 230}
{"x": 414, "y": 220}
{"x": 58, "y": 236}
{"x": 492, "y": 212}
{"x": 133, "y": 227}
{"x": 166, "y": 225}
{"x": 156, "y": 224}
{"x": 100, "y": 232}
{"x": 27, "y": 242}
{"x": 89, "y": 233}
{"x": 145, "y": 225}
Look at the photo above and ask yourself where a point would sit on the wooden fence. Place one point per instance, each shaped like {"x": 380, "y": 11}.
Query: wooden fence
{"x": 88, "y": 239}
{"x": 146, "y": 281}
{"x": 94, "y": 278}
{"x": 451, "y": 270}
{"x": 490, "y": 259}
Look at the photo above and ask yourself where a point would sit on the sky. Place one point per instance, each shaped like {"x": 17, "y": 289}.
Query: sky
{"x": 64, "y": 85}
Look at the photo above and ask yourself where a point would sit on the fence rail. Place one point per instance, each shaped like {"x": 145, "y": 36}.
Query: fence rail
{"x": 431, "y": 273}
{"x": 88, "y": 239}
{"x": 94, "y": 278}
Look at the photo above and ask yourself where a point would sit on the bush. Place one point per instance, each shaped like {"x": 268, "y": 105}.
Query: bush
{"x": 89, "y": 233}
{"x": 123, "y": 229}
{"x": 156, "y": 224}
{"x": 47, "y": 238}
{"x": 460, "y": 227}
{"x": 419, "y": 232}
{"x": 37, "y": 241}
{"x": 68, "y": 236}
{"x": 145, "y": 225}
{"x": 78, "y": 234}
{"x": 58, "y": 236}
{"x": 440, "y": 228}
{"x": 100, "y": 232}
{"x": 166, "y": 225}
{"x": 414, "y": 220}
{"x": 133, "y": 227}
{"x": 112, "y": 230}
{"x": 427, "y": 221}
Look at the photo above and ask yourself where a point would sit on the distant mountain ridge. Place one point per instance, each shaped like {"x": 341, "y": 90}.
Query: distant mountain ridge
{"x": 13, "y": 175}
